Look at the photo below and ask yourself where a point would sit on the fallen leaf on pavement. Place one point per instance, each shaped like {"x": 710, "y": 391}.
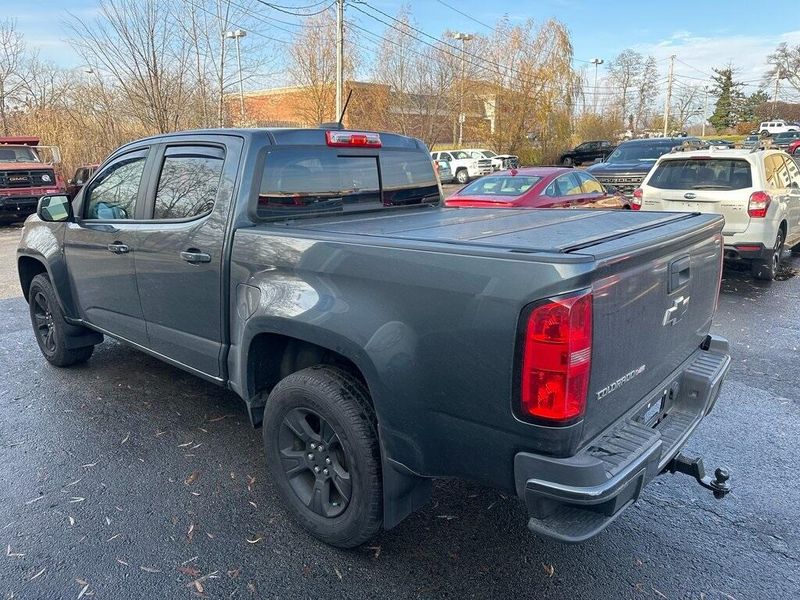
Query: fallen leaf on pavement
{"x": 192, "y": 478}
{"x": 549, "y": 569}
{"x": 255, "y": 540}
{"x": 149, "y": 569}
{"x": 83, "y": 591}
{"x": 190, "y": 571}
{"x": 10, "y": 553}
{"x": 37, "y": 575}
{"x": 376, "y": 550}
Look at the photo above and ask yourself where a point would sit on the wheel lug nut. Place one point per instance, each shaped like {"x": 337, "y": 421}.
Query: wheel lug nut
{"x": 324, "y": 471}
{"x": 321, "y": 448}
{"x": 327, "y": 461}
{"x": 313, "y": 446}
{"x": 316, "y": 469}
{"x": 310, "y": 456}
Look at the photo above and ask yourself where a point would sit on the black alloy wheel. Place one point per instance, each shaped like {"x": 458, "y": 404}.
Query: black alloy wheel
{"x": 315, "y": 462}
{"x": 43, "y": 323}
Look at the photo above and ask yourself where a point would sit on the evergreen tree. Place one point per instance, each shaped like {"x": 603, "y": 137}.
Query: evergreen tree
{"x": 730, "y": 100}
{"x": 752, "y": 103}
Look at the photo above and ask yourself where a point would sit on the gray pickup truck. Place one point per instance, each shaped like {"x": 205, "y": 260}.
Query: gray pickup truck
{"x": 383, "y": 341}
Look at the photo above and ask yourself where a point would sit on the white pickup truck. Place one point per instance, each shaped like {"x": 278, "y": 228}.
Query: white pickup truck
{"x": 499, "y": 161}
{"x": 464, "y": 165}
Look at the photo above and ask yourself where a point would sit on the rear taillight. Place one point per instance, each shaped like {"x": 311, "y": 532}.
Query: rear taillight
{"x": 557, "y": 359}
{"x": 636, "y": 202}
{"x": 758, "y": 205}
{"x": 353, "y": 138}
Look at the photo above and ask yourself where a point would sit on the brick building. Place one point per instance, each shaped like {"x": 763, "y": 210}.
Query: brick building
{"x": 372, "y": 106}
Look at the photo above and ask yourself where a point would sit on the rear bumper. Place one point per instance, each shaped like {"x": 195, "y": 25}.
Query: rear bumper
{"x": 747, "y": 252}
{"x": 573, "y": 499}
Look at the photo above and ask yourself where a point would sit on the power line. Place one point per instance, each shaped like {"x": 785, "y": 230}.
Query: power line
{"x": 463, "y": 14}
{"x": 289, "y": 12}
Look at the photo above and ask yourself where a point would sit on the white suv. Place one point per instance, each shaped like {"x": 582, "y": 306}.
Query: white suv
{"x": 757, "y": 191}
{"x": 773, "y": 127}
{"x": 500, "y": 162}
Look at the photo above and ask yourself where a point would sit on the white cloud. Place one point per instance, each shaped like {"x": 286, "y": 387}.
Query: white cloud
{"x": 747, "y": 53}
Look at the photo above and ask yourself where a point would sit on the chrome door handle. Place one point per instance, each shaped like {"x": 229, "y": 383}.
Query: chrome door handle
{"x": 118, "y": 248}
{"x": 195, "y": 256}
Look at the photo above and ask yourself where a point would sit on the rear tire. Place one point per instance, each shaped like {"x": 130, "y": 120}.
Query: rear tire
{"x": 462, "y": 176}
{"x": 766, "y": 270}
{"x": 321, "y": 442}
{"x": 49, "y": 326}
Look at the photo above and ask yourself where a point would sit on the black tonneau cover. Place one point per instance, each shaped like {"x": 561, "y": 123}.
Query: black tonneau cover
{"x": 539, "y": 230}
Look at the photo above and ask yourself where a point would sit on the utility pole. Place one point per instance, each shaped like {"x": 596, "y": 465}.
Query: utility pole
{"x": 595, "y": 62}
{"x": 669, "y": 94}
{"x": 705, "y": 111}
{"x": 339, "y": 57}
{"x": 778, "y": 75}
{"x": 464, "y": 38}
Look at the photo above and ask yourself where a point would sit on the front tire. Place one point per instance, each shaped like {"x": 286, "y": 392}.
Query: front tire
{"x": 766, "y": 270}
{"x": 462, "y": 176}
{"x": 321, "y": 442}
{"x": 49, "y": 326}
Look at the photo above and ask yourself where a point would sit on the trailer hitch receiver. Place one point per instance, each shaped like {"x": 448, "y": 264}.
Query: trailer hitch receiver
{"x": 719, "y": 485}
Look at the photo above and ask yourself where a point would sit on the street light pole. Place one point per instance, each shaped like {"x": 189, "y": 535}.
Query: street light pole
{"x": 463, "y": 38}
{"x": 596, "y": 62}
{"x": 237, "y": 35}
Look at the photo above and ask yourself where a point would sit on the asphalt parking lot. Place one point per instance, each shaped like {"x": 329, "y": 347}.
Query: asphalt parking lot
{"x": 127, "y": 478}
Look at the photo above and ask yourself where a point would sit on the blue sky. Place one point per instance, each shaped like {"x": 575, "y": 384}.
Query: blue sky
{"x": 702, "y": 34}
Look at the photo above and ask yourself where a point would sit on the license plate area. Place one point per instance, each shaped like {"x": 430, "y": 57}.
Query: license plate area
{"x": 658, "y": 406}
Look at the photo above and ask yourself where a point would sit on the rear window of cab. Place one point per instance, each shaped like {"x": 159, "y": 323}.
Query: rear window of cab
{"x": 307, "y": 180}
{"x": 702, "y": 173}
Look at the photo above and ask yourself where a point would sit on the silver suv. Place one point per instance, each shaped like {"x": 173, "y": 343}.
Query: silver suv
{"x": 757, "y": 191}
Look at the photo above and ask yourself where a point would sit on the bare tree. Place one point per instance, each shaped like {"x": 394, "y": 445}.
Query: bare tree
{"x": 312, "y": 66}
{"x": 12, "y": 51}
{"x": 136, "y": 43}
{"x": 784, "y": 64}
{"x": 534, "y": 86}
{"x": 684, "y": 106}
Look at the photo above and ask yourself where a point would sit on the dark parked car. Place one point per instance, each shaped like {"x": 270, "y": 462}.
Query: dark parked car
{"x": 382, "y": 341}
{"x": 537, "y": 187}
{"x": 82, "y": 175}
{"x": 626, "y": 167}
{"x": 587, "y": 152}
{"x": 784, "y": 139}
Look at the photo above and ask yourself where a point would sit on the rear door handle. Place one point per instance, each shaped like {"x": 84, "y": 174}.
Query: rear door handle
{"x": 118, "y": 248}
{"x": 195, "y": 256}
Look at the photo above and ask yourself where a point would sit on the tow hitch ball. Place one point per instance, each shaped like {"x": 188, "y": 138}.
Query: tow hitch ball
{"x": 694, "y": 467}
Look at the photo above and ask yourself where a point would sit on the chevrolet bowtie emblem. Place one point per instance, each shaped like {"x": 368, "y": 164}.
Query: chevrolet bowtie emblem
{"x": 675, "y": 312}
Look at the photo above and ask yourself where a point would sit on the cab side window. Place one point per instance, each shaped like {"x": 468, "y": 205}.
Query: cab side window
{"x": 114, "y": 192}
{"x": 188, "y": 182}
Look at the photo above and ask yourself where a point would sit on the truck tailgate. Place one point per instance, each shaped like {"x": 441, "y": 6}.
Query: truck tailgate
{"x": 655, "y": 294}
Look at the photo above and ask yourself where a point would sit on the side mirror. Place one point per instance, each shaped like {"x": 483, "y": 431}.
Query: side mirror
{"x": 599, "y": 159}
{"x": 55, "y": 209}
{"x": 70, "y": 182}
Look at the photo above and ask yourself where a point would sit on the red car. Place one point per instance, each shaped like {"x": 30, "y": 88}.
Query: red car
{"x": 794, "y": 148}
{"x": 537, "y": 187}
